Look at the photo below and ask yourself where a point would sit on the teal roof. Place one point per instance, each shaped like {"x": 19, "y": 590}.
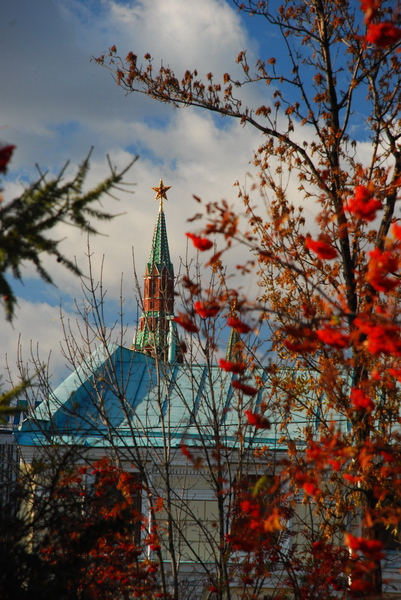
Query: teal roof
{"x": 160, "y": 253}
{"x": 149, "y": 403}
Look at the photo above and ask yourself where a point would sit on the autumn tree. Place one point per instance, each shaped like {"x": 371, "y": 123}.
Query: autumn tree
{"x": 330, "y": 128}
{"x": 73, "y": 530}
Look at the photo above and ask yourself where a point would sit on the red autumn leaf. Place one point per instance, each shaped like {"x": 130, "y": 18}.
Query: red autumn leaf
{"x": 382, "y": 263}
{"x": 250, "y": 507}
{"x": 248, "y": 390}
{"x": 322, "y": 249}
{"x": 246, "y": 506}
{"x": 383, "y": 34}
{"x": 333, "y": 337}
{"x": 396, "y": 373}
{"x": 351, "y": 478}
{"x": 360, "y": 401}
{"x": 307, "y": 482}
{"x": 310, "y": 488}
{"x": 186, "y": 322}
{"x": 316, "y": 452}
{"x": 186, "y": 452}
{"x": 382, "y": 338}
{"x": 5, "y": 156}
{"x": 152, "y": 568}
{"x": 206, "y": 309}
{"x": 257, "y": 420}
{"x": 232, "y": 367}
{"x": 301, "y": 346}
{"x": 389, "y": 456}
{"x": 370, "y": 8}
{"x": 363, "y": 205}
{"x": 363, "y": 193}
{"x": 359, "y": 585}
{"x": 200, "y": 243}
{"x": 305, "y": 339}
{"x": 371, "y": 548}
{"x": 243, "y": 542}
{"x": 154, "y": 547}
{"x": 239, "y": 325}
{"x": 396, "y": 231}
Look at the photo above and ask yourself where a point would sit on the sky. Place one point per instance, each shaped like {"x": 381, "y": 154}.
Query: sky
{"x": 57, "y": 104}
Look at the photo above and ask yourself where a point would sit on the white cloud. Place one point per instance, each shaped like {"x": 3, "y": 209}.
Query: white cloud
{"x": 186, "y": 34}
{"x": 36, "y": 331}
{"x": 56, "y": 104}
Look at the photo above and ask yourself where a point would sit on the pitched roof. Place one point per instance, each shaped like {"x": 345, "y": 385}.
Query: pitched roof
{"x": 119, "y": 397}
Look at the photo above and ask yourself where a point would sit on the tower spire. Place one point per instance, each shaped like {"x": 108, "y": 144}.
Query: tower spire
{"x": 157, "y": 331}
{"x": 235, "y": 344}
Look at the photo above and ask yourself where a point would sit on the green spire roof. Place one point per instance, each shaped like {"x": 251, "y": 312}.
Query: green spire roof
{"x": 159, "y": 252}
{"x": 234, "y": 346}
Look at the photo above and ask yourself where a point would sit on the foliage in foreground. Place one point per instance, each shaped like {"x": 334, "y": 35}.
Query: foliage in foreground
{"x": 75, "y": 533}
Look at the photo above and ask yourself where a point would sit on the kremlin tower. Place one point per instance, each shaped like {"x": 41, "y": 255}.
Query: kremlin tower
{"x": 157, "y": 333}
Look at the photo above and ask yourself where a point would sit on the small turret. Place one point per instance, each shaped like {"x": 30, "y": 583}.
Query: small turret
{"x": 234, "y": 347}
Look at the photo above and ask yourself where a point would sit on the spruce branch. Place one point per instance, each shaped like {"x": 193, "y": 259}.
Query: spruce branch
{"x": 26, "y": 221}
